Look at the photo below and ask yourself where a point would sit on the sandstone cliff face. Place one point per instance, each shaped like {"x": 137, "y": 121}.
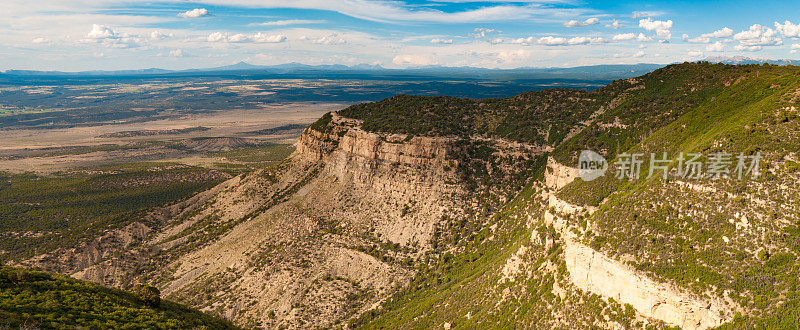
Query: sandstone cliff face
{"x": 417, "y": 174}
{"x": 594, "y": 272}
{"x": 318, "y": 240}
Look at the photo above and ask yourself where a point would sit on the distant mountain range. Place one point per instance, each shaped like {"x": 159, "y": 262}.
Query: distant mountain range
{"x": 749, "y": 60}
{"x": 298, "y": 70}
{"x": 376, "y": 72}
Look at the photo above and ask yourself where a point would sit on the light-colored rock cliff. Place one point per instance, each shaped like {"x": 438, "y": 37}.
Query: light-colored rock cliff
{"x": 557, "y": 175}
{"x": 595, "y": 272}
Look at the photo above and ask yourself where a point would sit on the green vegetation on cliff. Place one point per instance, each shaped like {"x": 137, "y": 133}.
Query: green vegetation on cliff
{"x": 730, "y": 239}
{"x": 727, "y": 238}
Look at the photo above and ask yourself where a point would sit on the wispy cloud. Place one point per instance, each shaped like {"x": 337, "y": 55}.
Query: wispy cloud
{"x": 245, "y": 38}
{"x": 640, "y": 14}
{"x": 395, "y": 11}
{"x": 441, "y": 41}
{"x": 289, "y": 22}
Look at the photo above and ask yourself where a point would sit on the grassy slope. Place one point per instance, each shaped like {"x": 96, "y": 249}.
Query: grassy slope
{"x": 41, "y": 300}
{"x": 686, "y": 108}
{"x": 678, "y": 236}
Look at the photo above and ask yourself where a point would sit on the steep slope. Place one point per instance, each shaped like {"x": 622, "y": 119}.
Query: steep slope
{"x": 689, "y": 253}
{"x": 443, "y": 212}
{"x": 732, "y": 239}
{"x": 334, "y": 230}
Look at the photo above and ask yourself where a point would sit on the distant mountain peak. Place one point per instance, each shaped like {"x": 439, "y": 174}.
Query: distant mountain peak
{"x": 241, "y": 65}
{"x": 750, "y": 60}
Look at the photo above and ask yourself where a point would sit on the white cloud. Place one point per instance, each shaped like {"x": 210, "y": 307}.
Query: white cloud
{"x": 552, "y": 41}
{"x": 757, "y": 36}
{"x": 412, "y": 60}
{"x": 587, "y": 22}
{"x": 194, "y": 13}
{"x": 512, "y": 55}
{"x": 706, "y": 37}
{"x": 290, "y": 22}
{"x": 695, "y": 53}
{"x": 265, "y": 38}
{"x": 721, "y": 33}
{"x": 614, "y": 25}
{"x": 747, "y": 48}
{"x": 101, "y": 32}
{"x": 332, "y": 39}
{"x": 394, "y": 11}
{"x": 216, "y": 36}
{"x": 157, "y": 35}
{"x": 441, "y": 41}
{"x": 795, "y": 48}
{"x": 662, "y": 28}
{"x": 108, "y": 37}
{"x": 788, "y": 30}
{"x": 482, "y": 32}
{"x": 640, "y": 14}
{"x": 496, "y": 41}
{"x": 238, "y": 38}
{"x": 584, "y": 40}
{"x": 525, "y": 41}
{"x": 624, "y": 36}
{"x": 640, "y": 53}
{"x": 242, "y": 38}
{"x": 642, "y": 38}
{"x": 176, "y": 53}
{"x": 631, "y": 36}
{"x": 561, "y": 41}
{"x": 40, "y": 40}
{"x": 715, "y": 47}
{"x": 699, "y": 40}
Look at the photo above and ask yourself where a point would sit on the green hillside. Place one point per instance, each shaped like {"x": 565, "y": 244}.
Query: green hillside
{"x": 33, "y": 299}
{"x": 695, "y": 239}
{"x": 735, "y": 238}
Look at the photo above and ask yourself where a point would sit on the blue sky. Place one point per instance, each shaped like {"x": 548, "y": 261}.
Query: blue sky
{"x": 73, "y": 35}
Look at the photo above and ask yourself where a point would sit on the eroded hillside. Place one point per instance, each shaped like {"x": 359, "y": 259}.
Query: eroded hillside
{"x": 424, "y": 212}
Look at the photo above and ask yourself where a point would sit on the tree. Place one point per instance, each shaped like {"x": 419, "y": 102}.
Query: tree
{"x": 148, "y": 294}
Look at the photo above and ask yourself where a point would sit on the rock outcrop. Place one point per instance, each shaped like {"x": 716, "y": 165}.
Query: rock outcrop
{"x": 557, "y": 175}
{"x": 597, "y": 273}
